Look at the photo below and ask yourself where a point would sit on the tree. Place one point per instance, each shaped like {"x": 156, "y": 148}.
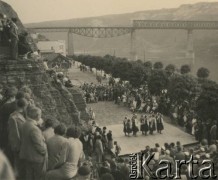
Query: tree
{"x": 137, "y": 75}
{"x": 148, "y": 65}
{"x": 185, "y": 69}
{"x": 203, "y": 73}
{"x": 122, "y": 70}
{"x": 158, "y": 65}
{"x": 157, "y": 82}
{"x": 207, "y": 102}
{"x": 170, "y": 69}
{"x": 183, "y": 88}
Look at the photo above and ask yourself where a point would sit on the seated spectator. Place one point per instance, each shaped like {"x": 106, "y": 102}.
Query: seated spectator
{"x": 49, "y": 129}
{"x": 107, "y": 176}
{"x": 57, "y": 148}
{"x": 212, "y": 147}
{"x": 105, "y": 168}
{"x": 115, "y": 171}
{"x": 178, "y": 144}
{"x": 204, "y": 144}
{"x": 73, "y": 157}
{"x": 84, "y": 173}
{"x": 180, "y": 154}
{"x": 124, "y": 169}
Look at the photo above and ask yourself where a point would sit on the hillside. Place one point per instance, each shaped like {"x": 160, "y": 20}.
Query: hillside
{"x": 55, "y": 100}
{"x": 199, "y": 11}
{"x": 165, "y": 45}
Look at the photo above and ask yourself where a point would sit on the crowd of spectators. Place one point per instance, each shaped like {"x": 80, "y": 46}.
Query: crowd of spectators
{"x": 38, "y": 148}
{"x": 173, "y": 152}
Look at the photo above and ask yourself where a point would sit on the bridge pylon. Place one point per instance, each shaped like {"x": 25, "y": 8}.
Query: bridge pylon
{"x": 133, "y": 52}
{"x": 70, "y": 46}
{"x": 190, "y": 54}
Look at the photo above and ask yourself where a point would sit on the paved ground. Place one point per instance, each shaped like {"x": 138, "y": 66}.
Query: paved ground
{"x": 112, "y": 115}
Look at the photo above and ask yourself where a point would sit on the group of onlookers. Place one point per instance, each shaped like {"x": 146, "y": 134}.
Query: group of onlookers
{"x": 38, "y": 149}
{"x": 135, "y": 99}
{"x": 17, "y": 40}
{"x": 173, "y": 152}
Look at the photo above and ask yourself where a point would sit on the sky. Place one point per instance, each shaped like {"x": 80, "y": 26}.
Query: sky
{"x": 46, "y": 10}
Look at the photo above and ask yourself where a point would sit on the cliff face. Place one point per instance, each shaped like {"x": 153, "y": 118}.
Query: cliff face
{"x": 53, "y": 98}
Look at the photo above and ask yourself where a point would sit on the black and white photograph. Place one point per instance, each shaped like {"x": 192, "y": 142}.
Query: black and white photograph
{"x": 108, "y": 89}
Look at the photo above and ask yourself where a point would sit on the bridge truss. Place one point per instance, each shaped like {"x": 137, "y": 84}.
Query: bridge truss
{"x": 95, "y": 32}
{"x": 109, "y": 32}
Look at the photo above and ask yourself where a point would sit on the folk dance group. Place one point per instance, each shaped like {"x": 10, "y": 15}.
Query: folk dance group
{"x": 147, "y": 123}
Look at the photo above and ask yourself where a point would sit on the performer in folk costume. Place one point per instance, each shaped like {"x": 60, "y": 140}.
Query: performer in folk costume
{"x": 142, "y": 121}
{"x": 129, "y": 127}
{"x": 146, "y": 125}
{"x": 125, "y": 125}
{"x": 135, "y": 128}
{"x": 159, "y": 121}
{"x": 152, "y": 125}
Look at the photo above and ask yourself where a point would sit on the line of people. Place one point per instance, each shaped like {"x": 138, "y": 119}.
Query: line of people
{"x": 147, "y": 124}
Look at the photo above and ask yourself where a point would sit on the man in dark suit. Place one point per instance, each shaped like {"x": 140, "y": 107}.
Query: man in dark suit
{"x": 33, "y": 148}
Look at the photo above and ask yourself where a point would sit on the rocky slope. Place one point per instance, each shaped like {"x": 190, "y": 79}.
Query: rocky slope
{"x": 55, "y": 100}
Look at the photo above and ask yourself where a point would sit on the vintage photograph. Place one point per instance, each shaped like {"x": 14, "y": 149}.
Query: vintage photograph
{"x": 108, "y": 89}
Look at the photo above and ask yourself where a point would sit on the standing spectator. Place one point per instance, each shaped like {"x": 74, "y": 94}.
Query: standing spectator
{"x": 15, "y": 123}
{"x": 104, "y": 138}
{"x": 213, "y": 132}
{"x": 117, "y": 148}
{"x": 110, "y": 140}
{"x": 99, "y": 149}
{"x": 8, "y": 107}
{"x": 57, "y": 147}
{"x": 6, "y": 172}
{"x": 49, "y": 129}
{"x": 87, "y": 141}
{"x": 33, "y": 148}
{"x": 125, "y": 125}
{"x": 13, "y": 31}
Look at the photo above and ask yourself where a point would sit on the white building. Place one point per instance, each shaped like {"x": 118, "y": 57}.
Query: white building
{"x": 52, "y": 46}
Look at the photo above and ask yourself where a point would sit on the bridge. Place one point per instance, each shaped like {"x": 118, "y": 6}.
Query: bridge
{"x": 109, "y": 32}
